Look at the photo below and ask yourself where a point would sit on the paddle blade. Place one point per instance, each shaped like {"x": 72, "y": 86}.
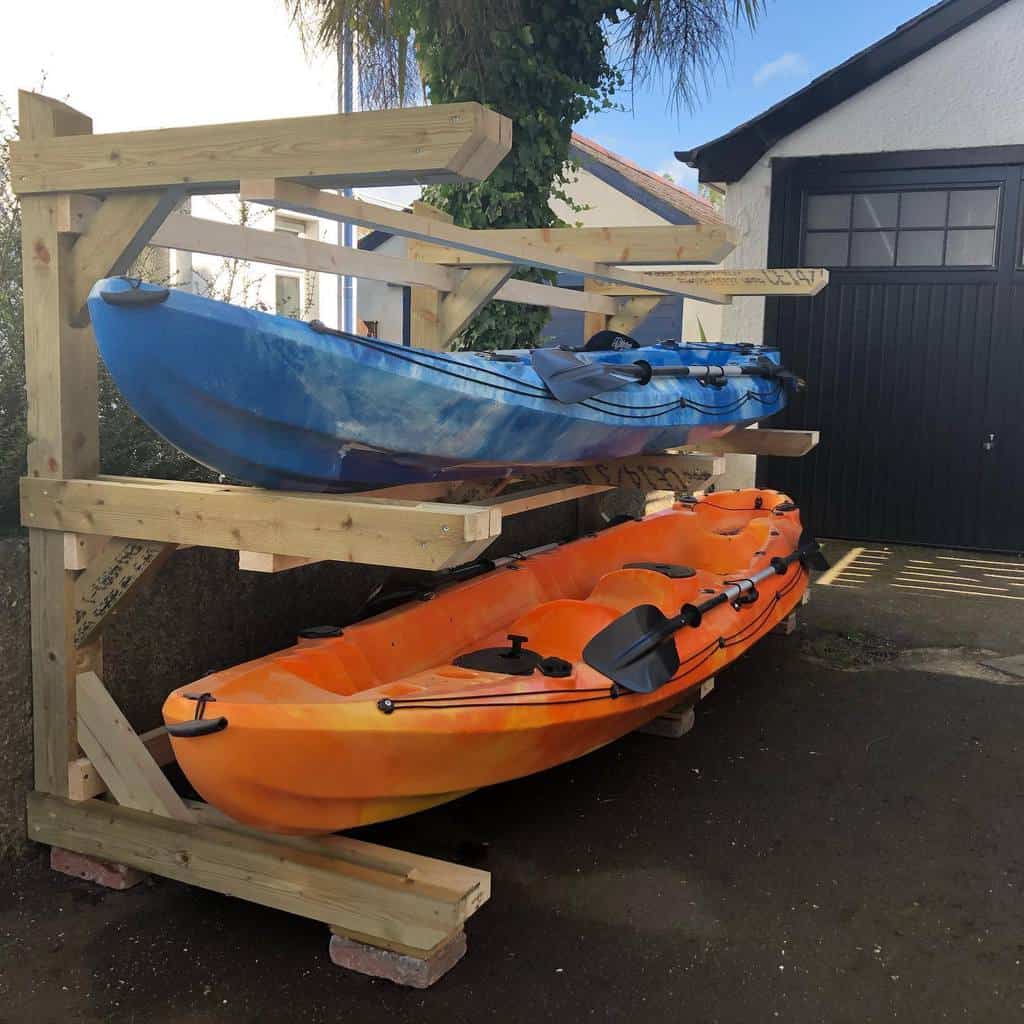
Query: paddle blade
{"x": 634, "y": 652}
{"x": 812, "y": 555}
{"x": 571, "y": 379}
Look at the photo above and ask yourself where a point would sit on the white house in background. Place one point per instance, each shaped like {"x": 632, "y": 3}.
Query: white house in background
{"x": 284, "y": 290}
{"x": 615, "y": 192}
{"x": 901, "y": 171}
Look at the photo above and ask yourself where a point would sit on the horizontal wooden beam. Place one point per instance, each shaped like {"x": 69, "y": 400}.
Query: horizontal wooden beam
{"x": 528, "y": 499}
{"x": 646, "y": 245}
{"x": 377, "y": 531}
{"x": 764, "y": 441}
{"x": 384, "y": 899}
{"x": 680, "y": 473}
{"x": 279, "y": 248}
{"x": 312, "y": 202}
{"x": 413, "y": 145}
{"x": 480, "y": 494}
{"x": 530, "y": 293}
{"x": 795, "y": 281}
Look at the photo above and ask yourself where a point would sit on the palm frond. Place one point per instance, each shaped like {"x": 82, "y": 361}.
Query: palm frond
{"x": 680, "y": 43}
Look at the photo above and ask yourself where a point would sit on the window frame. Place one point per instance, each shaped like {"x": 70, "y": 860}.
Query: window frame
{"x": 899, "y": 190}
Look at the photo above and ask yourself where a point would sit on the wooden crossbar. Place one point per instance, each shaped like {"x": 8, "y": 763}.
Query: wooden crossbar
{"x": 795, "y": 281}
{"x": 408, "y": 146}
{"x": 349, "y": 889}
{"x": 197, "y": 234}
{"x": 646, "y": 245}
{"x": 414, "y": 534}
{"x": 289, "y": 195}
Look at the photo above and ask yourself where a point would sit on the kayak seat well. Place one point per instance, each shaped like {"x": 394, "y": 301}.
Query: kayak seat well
{"x": 558, "y": 603}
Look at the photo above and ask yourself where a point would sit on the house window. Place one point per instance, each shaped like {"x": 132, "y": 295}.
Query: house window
{"x": 907, "y": 228}
{"x": 307, "y": 303}
{"x": 288, "y": 295}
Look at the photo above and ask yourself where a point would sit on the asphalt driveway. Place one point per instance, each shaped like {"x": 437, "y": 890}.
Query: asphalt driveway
{"x": 841, "y": 838}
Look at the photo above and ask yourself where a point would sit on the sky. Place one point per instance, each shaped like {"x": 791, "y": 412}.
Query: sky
{"x": 794, "y": 42}
{"x": 145, "y": 65}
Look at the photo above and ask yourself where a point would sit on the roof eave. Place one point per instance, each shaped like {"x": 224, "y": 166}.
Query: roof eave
{"x": 730, "y": 156}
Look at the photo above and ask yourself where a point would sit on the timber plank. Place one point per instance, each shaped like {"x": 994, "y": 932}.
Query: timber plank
{"x": 119, "y": 755}
{"x": 794, "y": 281}
{"x": 85, "y": 782}
{"x": 653, "y": 244}
{"x": 413, "y": 145}
{"x": 764, "y": 441}
{"x": 261, "y": 869}
{"x": 378, "y": 531}
{"x": 290, "y": 195}
{"x": 63, "y": 429}
{"x": 633, "y": 312}
{"x": 471, "y": 294}
{"x": 114, "y": 574}
{"x": 680, "y": 474}
{"x": 115, "y": 235}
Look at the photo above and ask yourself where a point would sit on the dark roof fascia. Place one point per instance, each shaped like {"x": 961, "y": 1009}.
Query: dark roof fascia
{"x": 729, "y": 157}
{"x": 374, "y": 239}
{"x": 629, "y": 188}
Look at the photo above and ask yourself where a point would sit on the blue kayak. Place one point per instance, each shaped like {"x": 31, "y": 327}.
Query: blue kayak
{"x": 286, "y": 404}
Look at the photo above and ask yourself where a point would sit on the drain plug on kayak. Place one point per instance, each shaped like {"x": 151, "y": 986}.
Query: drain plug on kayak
{"x": 515, "y": 660}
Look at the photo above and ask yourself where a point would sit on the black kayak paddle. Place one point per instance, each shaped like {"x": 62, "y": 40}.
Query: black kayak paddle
{"x": 573, "y": 379}
{"x": 638, "y": 651}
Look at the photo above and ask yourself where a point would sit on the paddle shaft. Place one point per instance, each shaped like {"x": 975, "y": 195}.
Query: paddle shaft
{"x": 692, "y": 614}
{"x": 643, "y": 371}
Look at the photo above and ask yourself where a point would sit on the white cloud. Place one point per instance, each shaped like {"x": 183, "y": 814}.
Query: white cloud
{"x": 789, "y": 65}
{"x": 685, "y": 177}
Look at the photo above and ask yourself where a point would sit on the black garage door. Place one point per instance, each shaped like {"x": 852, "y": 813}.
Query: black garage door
{"x": 914, "y": 353}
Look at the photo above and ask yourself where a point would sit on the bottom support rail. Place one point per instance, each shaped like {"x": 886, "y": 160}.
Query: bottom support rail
{"x": 386, "y": 898}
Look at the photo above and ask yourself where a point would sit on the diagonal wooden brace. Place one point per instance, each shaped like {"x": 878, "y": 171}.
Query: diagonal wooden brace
{"x": 114, "y": 236}
{"x": 119, "y": 755}
{"x": 473, "y": 292}
{"x": 118, "y": 569}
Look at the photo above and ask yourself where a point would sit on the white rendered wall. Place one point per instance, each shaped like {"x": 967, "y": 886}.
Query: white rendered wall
{"x": 962, "y": 93}
{"x": 607, "y": 206}
{"x": 965, "y": 92}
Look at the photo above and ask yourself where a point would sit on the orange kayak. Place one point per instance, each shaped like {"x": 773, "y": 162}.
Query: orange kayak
{"x": 431, "y": 700}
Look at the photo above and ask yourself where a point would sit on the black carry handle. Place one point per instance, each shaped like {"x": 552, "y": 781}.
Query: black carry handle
{"x": 136, "y": 297}
{"x": 198, "y": 727}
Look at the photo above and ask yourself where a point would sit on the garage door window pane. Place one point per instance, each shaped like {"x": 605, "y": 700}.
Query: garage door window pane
{"x": 920, "y": 249}
{"x": 826, "y": 249}
{"x": 969, "y": 248}
{"x": 873, "y": 249}
{"x": 875, "y": 210}
{"x": 970, "y": 208}
{"x": 923, "y": 209}
{"x": 824, "y": 212}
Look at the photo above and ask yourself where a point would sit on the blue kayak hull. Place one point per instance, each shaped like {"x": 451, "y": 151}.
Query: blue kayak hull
{"x": 273, "y": 401}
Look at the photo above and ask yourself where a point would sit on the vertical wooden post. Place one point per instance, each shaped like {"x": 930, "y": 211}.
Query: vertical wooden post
{"x": 593, "y": 322}
{"x": 425, "y": 303}
{"x": 63, "y": 424}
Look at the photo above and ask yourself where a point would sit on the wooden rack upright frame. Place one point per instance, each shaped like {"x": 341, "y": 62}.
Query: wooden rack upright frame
{"x": 90, "y": 203}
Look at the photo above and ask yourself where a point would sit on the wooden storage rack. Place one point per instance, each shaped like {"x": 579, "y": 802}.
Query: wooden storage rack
{"x": 90, "y": 203}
